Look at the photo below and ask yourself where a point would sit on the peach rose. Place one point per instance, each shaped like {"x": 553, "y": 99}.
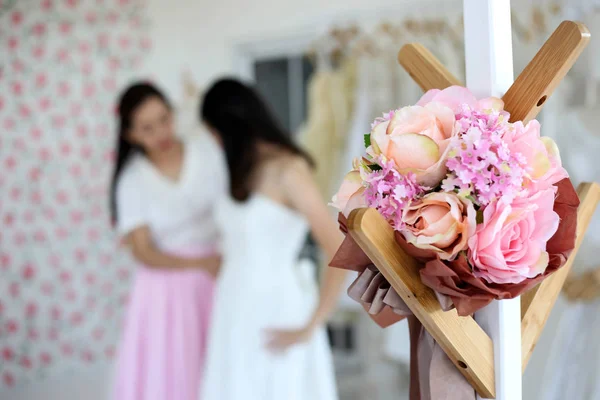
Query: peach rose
{"x": 440, "y": 222}
{"x": 543, "y": 163}
{"x": 510, "y": 245}
{"x": 417, "y": 139}
{"x": 350, "y": 196}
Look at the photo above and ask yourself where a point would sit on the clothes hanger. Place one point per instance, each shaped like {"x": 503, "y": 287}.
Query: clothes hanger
{"x": 588, "y": 113}
{"x": 190, "y": 88}
{"x": 538, "y": 20}
{"x": 349, "y": 39}
{"x": 387, "y": 29}
{"x": 591, "y": 92}
{"x": 585, "y": 287}
{"x": 318, "y": 57}
{"x": 324, "y": 49}
{"x": 456, "y": 38}
{"x": 524, "y": 34}
{"x": 364, "y": 46}
{"x": 412, "y": 26}
{"x": 343, "y": 40}
{"x": 555, "y": 8}
{"x": 386, "y": 39}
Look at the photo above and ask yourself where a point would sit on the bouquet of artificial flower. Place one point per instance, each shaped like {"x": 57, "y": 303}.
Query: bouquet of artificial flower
{"x": 484, "y": 203}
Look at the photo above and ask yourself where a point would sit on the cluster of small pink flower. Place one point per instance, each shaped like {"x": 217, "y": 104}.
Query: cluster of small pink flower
{"x": 390, "y": 192}
{"x": 480, "y": 164}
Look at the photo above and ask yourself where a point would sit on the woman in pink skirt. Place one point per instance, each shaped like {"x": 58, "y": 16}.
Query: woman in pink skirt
{"x": 162, "y": 199}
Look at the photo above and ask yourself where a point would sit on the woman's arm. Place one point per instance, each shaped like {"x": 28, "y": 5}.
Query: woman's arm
{"x": 304, "y": 196}
{"x": 144, "y": 250}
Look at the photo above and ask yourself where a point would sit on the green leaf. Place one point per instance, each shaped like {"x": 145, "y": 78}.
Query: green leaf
{"x": 375, "y": 167}
{"x": 367, "y": 140}
{"x": 464, "y": 255}
{"x": 438, "y": 188}
{"x": 479, "y": 217}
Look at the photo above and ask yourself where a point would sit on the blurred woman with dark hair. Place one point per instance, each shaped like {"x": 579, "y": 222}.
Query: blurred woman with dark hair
{"x": 267, "y": 339}
{"x": 162, "y": 196}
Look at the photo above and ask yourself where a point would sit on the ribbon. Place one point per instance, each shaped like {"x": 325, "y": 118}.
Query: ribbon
{"x": 432, "y": 374}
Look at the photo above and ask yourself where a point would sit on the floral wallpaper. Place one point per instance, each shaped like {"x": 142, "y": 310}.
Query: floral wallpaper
{"x": 63, "y": 279}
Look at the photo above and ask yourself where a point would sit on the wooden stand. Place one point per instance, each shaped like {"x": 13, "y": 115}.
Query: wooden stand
{"x": 487, "y": 353}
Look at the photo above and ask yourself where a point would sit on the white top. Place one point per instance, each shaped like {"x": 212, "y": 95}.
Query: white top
{"x": 179, "y": 214}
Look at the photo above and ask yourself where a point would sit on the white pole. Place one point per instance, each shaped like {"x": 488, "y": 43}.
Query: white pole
{"x": 489, "y": 65}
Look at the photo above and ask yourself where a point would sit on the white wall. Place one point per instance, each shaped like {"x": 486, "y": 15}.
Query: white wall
{"x": 204, "y": 36}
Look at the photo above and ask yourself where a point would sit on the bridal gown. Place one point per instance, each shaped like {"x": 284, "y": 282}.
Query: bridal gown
{"x": 263, "y": 285}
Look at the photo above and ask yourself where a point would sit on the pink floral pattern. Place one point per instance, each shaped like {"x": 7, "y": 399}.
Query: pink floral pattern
{"x": 62, "y": 276}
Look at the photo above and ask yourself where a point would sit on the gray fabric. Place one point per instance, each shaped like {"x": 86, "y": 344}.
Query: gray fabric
{"x": 433, "y": 376}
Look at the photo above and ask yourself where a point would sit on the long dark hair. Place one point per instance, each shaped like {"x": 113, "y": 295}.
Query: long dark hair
{"x": 242, "y": 119}
{"x": 131, "y": 99}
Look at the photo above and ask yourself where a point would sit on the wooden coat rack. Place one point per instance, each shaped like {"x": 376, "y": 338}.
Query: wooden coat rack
{"x": 469, "y": 347}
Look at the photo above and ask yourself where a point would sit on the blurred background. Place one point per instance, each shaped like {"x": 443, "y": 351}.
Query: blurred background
{"x": 323, "y": 66}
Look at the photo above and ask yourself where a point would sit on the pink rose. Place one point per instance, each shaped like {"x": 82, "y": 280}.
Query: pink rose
{"x": 455, "y": 96}
{"x": 439, "y": 222}
{"x": 541, "y": 155}
{"x": 350, "y": 196}
{"x": 510, "y": 245}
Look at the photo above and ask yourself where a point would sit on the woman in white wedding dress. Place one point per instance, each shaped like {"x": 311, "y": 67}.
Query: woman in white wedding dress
{"x": 267, "y": 339}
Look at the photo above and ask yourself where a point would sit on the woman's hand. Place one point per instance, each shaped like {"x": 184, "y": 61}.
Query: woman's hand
{"x": 281, "y": 339}
{"x": 144, "y": 250}
{"x": 211, "y": 265}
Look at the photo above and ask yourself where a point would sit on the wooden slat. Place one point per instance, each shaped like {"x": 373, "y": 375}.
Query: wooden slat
{"x": 538, "y": 80}
{"x": 536, "y": 83}
{"x": 425, "y": 68}
{"x": 461, "y": 338}
{"x": 537, "y": 309}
